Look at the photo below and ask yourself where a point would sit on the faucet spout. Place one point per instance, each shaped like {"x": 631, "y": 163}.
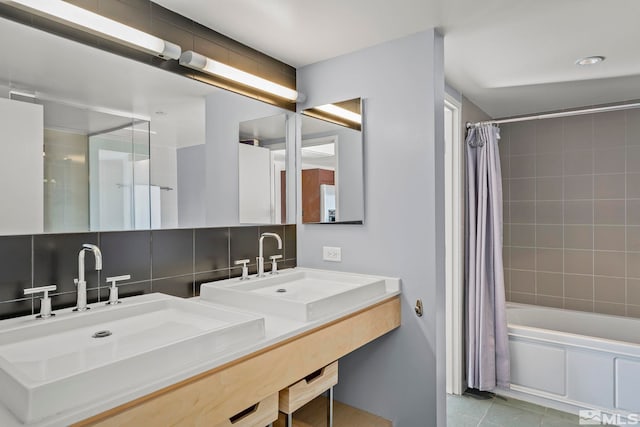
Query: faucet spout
{"x": 81, "y": 284}
{"x": 261, "y": 250}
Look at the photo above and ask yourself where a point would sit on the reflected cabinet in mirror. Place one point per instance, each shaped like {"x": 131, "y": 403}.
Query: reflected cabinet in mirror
{"x": 332, "y": 163}
{"x": 90, "y": 140}
{"x": 262, "y": 170}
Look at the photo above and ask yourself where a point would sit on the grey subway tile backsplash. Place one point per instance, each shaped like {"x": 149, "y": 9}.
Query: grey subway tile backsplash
{"x": 175, "y": 262}
{"x": 582, "y": 226}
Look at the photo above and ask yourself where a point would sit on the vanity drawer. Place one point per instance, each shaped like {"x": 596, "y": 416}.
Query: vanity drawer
{"x": 299, "y": 394}
{"x": 261, "y": 414}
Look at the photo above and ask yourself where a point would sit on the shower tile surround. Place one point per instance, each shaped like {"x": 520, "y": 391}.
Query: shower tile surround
{"x": 571, "y": 191}
{"x": 174, "y": 262}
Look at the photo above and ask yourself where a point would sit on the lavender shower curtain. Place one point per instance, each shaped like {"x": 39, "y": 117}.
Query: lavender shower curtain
{"x": 486, "y": 323}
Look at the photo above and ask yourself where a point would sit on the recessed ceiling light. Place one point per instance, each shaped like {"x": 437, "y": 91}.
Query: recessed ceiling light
{"x": 590, "y": 60}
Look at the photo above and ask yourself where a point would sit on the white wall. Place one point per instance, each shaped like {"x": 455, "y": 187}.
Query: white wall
{"x": 21, "y": 142}
{"x": 400, "y": 376}
{"x": 224, "y": 112}
{"x": 254, "y": 164}
{"x": 349, "y": 176}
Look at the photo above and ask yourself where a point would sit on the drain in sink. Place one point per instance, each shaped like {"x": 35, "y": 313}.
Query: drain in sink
{"x": 101, "y": 334}
{"x": 281, "y": 290}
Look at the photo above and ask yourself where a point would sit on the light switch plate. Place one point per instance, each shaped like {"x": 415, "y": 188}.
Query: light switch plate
{"x": 330, "y": 253}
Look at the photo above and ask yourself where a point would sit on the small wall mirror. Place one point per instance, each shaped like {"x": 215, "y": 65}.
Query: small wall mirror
{"x": 332, "y": 163}
{"x": 262, "y": 170}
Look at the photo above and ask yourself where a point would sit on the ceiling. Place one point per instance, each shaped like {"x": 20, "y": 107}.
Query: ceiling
{"x": 510, "y": 57}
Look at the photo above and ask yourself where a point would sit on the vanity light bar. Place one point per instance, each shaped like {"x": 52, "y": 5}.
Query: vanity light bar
{"x": 78, "y": 17}
{"x": 340, "y": 112}
{"x": 199, "y": 62}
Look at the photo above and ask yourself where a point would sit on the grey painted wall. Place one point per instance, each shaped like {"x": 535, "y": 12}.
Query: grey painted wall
{"x": 191, "y": 186}
{"x": 400, "y": 376}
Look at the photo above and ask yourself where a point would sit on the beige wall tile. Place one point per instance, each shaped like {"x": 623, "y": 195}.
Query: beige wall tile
{"x": 523, "y": 281}
{"x": 549, "y": 136}
{"x": 610, "y": 160}
{"x": 549, "y": 164}
{"x": 633, "y": 291}
{"x": 578, "y": 162}
{"x": 633, "y": 127}
{"x": 522, "y": 138}
{"x": 609, "y": 186}
{"x": 633, "y": 159}
{"x": 633, "y": 265}
{"x": 578, "y": 236}
{"x": 523, "y": 235}
{"x": 578, "y": 304}
{"x": 578, "y": 212}
{"x": 523, "y": 258}
{"x": 609, "y": 129}
{"x": 523, "y": 298}
{"x": 633, "y": 238}
{"x": 578, "y": 134}
{"x": 550, "y": 236}
{"x": 549, "y": 188}
{"x": 522, "y": 212}
{"x": 549, "y": 260}
{"x": 578, "y": 262}
{"x": 578, "y": 187}
{"x": 550, "y": 284}
{"x": 609, "y": 237}
{"x": 609, "y": 264}
{"x": 609, "y": 212}
{"x": 609, "y": 308}
{"x": 610, "y": 289}
{"x": 548, "y": 301}
{"x": 633, "y": 212}
{"x": 522, "y": 166}
{"x": 633, "y": 185}
{"x": 549, "y": 212}
{"x": 578, "y": 286}
{"x": 522, "y": 189}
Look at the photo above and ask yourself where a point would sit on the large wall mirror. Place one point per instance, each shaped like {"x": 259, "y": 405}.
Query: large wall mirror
{"x": 90, "y": 140}
{"x": 332, "y": 162}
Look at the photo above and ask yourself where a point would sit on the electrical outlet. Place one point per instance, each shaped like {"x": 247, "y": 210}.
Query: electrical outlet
{"x": 330, "y": 253}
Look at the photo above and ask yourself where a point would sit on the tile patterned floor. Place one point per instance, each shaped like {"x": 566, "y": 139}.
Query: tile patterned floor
{"x": 468, "y": 411}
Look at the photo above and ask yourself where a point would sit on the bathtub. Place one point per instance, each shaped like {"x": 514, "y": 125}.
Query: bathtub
{"x": 573, "y": 360}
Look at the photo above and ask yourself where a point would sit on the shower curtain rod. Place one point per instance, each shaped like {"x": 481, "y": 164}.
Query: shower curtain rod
{"x": 559, "y": 114}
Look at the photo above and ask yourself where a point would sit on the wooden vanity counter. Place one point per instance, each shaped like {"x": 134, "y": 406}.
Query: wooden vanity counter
{"x": 212, "y": 397}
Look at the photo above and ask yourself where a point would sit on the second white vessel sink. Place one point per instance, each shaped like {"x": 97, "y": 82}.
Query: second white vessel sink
{"x": 300, "y": 293}
{"x": 49, "y": 366}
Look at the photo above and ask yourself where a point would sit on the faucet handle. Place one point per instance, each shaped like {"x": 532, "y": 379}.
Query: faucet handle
{"x": 274, "y": 263}
{"x": 245, "y": 269}
{"x": 113, "y": 290}
{"x": 45, "y": 301}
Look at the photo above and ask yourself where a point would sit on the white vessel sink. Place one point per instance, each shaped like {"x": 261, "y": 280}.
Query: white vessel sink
{"x": 49, "y": 366}
{"x": 300, "y": 293}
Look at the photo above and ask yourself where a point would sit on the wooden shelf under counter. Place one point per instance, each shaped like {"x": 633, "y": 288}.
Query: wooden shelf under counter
{"x": 214, "y": 396}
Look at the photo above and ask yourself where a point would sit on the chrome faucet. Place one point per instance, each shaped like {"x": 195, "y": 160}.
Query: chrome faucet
{"x": 81, "y": 284}
{"x": 261, "y": 251}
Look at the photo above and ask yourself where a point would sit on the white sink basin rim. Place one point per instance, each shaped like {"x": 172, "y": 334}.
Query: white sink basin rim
{"x": 301, "y": 294}
{"x": 49, "y": 366}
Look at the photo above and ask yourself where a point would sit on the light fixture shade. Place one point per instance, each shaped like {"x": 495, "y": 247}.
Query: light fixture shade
{"x": 199, "y": 62}
{"x": 340, "y": 112}
{"x": 86, "y": 20}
